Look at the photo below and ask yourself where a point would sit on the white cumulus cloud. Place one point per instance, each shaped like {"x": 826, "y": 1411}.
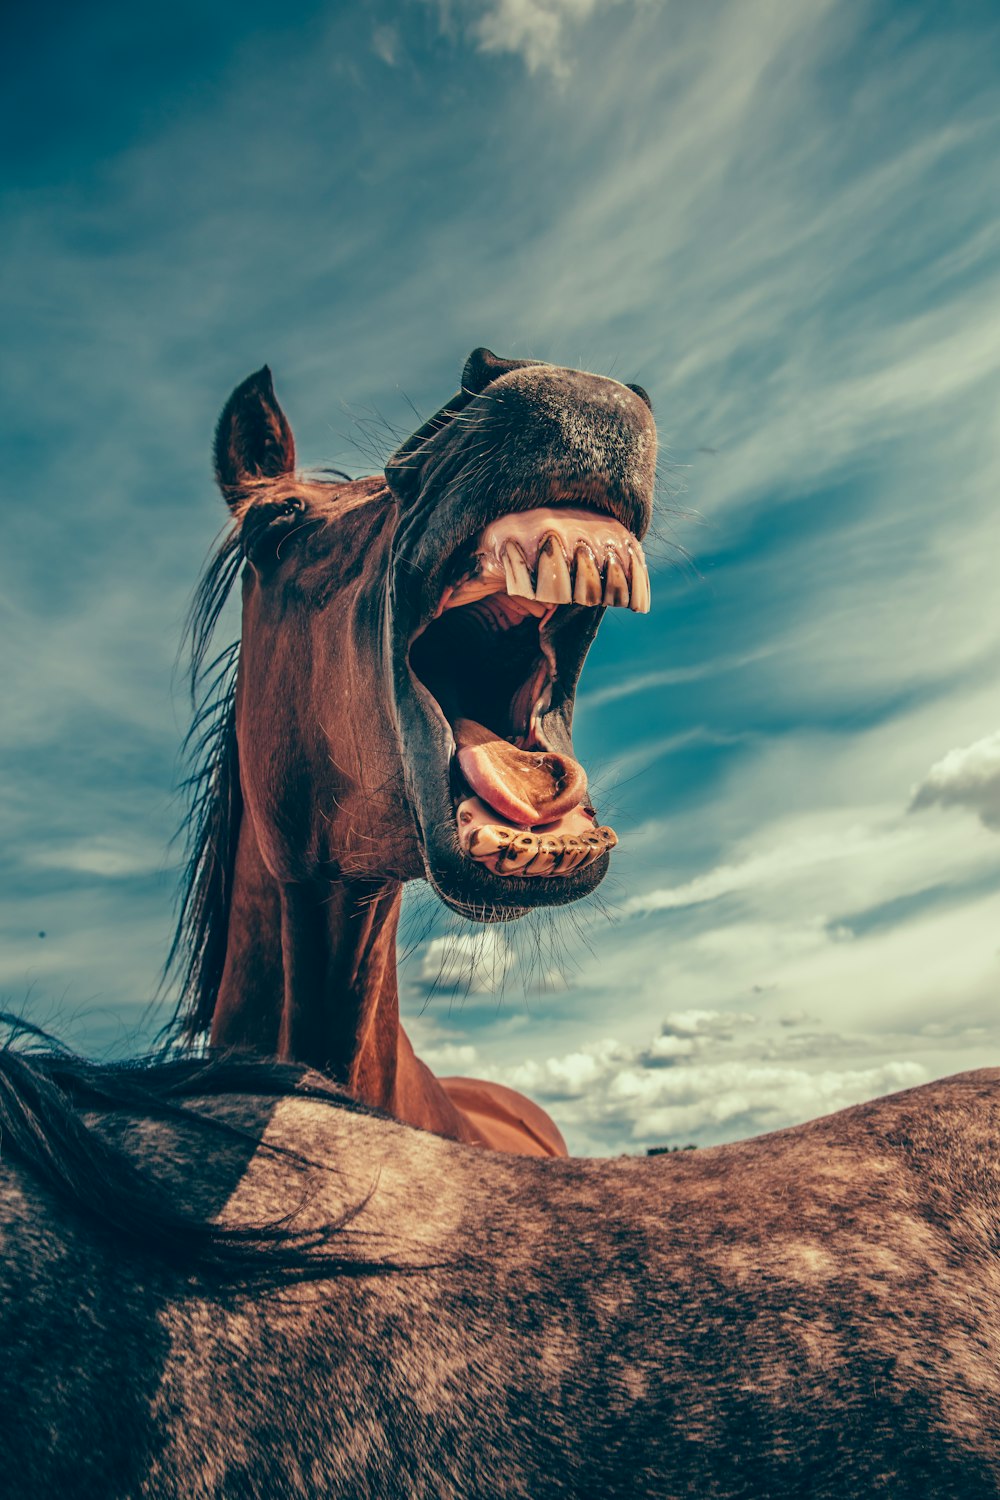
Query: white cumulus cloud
{"x": 706, "y": 1076}
{"x": 757, "y": 1098}
{"x": 969, "y": 778}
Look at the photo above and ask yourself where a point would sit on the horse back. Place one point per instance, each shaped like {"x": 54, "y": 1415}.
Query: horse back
{"x": 811, "y": 1313}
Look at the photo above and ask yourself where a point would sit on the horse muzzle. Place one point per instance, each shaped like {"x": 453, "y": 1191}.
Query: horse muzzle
{"x": 498, "y": 591}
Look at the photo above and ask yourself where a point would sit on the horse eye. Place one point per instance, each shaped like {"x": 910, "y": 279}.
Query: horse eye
{"x": 264, "y": 529}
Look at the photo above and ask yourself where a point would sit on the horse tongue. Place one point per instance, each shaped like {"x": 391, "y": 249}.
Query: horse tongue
{"x": 526, "y": 787}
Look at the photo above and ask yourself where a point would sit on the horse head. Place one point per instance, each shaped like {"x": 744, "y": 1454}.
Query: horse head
{"x": 411, "y": 648}
{"x": 410, "y": 653}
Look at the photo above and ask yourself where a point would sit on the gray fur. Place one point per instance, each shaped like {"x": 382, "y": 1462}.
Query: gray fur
{"x": 813, "y": 1313}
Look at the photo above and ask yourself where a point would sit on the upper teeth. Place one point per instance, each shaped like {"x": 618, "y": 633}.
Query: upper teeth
{"x": 557, "y": 556}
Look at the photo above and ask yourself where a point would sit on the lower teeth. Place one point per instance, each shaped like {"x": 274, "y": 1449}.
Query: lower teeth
{"x": 513, "y": 853}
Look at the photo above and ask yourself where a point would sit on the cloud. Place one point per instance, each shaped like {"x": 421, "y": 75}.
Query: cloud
{"x": 699, "y": 1079}
{"x": 805, "y": 853}
{"x": 968, "y": 778}
{"x": 450, "y": 1057}
{"x": 751, "y": 1098}
{"x": 534, "y": 30}
{"x": 705, "y": 1023}
{"x": 475, "y": 962}
{"x": 385, "y": 44}
{"x": 647, "y": 682}
{"x": 106, "y": 858}
{"x": 704, "y": 1076}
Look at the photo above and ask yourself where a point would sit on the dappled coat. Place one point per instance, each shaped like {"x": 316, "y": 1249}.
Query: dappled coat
{"x": 385, "y": 1313}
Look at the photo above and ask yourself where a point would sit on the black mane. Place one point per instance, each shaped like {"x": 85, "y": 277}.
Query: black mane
{"x": 44, "y": 1092}
{"x": 211, "y": 827}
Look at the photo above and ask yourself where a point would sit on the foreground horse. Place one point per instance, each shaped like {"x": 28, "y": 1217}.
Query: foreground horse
{"x": 810, "y": 1314}
{"x": 402, "y": 709}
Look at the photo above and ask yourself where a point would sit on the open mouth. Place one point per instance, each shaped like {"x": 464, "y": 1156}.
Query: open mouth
{"x": 500, "y": 658}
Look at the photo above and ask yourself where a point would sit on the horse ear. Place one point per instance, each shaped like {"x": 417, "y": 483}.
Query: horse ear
{"x": 481, "y": 369}
{"x": 253, "y": 439}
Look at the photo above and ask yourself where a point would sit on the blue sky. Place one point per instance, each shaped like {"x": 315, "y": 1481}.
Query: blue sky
{"x": 783, "y": 219}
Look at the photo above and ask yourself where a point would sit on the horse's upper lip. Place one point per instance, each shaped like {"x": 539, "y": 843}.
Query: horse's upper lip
{"x": 551, "y": 556}
{"x": 534, "y": 560}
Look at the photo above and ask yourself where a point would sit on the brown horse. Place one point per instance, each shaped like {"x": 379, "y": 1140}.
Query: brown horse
{"x": 224, "y": 1279}
{"x": 402, "y": 709}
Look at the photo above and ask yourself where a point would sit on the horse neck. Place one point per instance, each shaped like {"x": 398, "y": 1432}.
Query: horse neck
{"x": 310, "y": 977}
{"x": 310, "y": 974}
{"x": 341, "y": 1005}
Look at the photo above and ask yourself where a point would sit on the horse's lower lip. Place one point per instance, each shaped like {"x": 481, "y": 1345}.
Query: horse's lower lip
{"x": 522, "y": 812}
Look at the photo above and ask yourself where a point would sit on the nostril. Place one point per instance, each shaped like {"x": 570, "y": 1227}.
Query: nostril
{"x": 642, "y": 393}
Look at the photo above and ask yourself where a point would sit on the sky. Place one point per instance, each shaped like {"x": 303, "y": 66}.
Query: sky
{"x": 782, "y": 217}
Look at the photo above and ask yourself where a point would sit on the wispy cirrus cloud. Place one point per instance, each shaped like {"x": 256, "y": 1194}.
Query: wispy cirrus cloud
{"x": 537, "y": 31}
{"x": 386, "y": 44}
{"x": 827, "y": 846}
{"x": 666, "y": 677}
{"x": 106, "y": 858}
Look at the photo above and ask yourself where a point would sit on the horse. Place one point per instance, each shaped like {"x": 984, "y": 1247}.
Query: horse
{"x": 228, "y": 1277}
{"x": 401, "y": 709}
